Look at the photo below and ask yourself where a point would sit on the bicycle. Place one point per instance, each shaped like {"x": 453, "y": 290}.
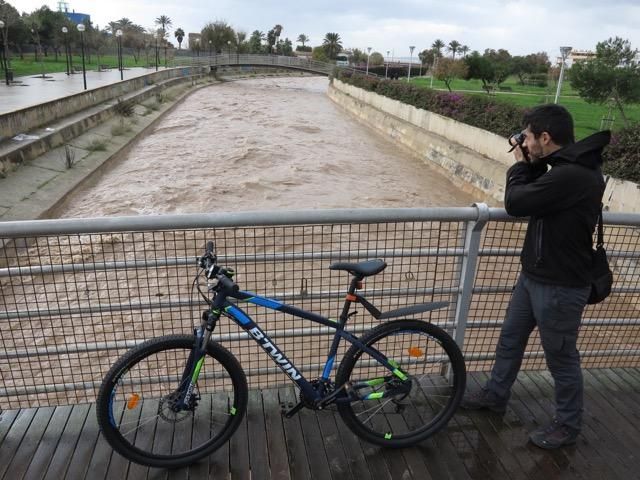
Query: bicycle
{"x": 172, "y": 400}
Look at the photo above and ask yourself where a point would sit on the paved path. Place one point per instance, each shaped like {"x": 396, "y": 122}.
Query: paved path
{"x": 33, "y": 90}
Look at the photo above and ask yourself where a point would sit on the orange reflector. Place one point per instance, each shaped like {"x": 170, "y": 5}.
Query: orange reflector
{"x": 415, "y": 352}
{"x": 352, "y": 298}
{"x": 133, "y": 401}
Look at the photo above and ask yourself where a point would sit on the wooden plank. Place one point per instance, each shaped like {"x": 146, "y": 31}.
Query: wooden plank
{"x": 297, "y": 453}
{"x": 201, "y": 433}
{"x": 278, "y": 458}
{"x": 219, "y": 461}
{"x": 67, "y": 444}
{"x": 239, "y": 461}
{"x": 7, "y": 418}
{"x": 335, "y": 451}
{"x": 48, "y": 443}
{"x": 516, "y": 467}
{"x": 634, "y": 383}
{"x": 182, "y": 436}
{"x": 316, "y": 456}
{"x": 29, "y": 443}
{"x": 86, "y": 443}
{"x": 487, "y": 461}
{"x": 102, "y": 452}
{"x": 352, "y": 450}
{"x": 258, "y": 454}
{"x": 513, "y": 435}
{"x": 584, "y": 460}
{"x": 145, "y": 435}
{"x": 119, "y": 466}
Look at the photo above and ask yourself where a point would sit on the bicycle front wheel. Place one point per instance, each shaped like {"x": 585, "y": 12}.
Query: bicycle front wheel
{"x": 138, "y": 409}
{"x": 401, "y": 408}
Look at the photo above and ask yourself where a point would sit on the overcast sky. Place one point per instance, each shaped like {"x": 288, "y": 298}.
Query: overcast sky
{"x": 519, "y": 26}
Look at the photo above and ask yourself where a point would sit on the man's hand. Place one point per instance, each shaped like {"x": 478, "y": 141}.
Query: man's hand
{"x": 517, "y": 152}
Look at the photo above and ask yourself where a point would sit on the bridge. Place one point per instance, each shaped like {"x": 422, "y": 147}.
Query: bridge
{"x": 301, "y": 64}
{"x": 77, "y": 293}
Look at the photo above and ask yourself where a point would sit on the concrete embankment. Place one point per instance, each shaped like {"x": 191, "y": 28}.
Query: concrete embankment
{"x": 476, "y": 160}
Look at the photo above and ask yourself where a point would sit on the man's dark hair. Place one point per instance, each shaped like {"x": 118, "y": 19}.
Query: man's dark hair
{"x": 553, "y": 119}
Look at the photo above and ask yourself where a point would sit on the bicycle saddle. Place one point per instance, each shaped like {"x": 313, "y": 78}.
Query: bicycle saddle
{"x": 362, "y": 269}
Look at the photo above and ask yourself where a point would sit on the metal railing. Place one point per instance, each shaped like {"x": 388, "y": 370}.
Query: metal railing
{"x": 274, "y": 61}
{"x": 78, "y": 293}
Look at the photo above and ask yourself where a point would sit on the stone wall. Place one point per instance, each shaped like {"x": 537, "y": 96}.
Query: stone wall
{"x": 27, "y": 119}
{"x": 476, "y": 160}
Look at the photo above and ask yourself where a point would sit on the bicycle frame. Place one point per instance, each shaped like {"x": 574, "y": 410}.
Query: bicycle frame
{"x": 222, "y": 304}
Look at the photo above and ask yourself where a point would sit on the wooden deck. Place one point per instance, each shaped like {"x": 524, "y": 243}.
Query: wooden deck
{"x": 64, "y": 442}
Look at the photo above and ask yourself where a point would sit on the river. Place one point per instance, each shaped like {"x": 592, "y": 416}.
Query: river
{"x": 262, "y": 143}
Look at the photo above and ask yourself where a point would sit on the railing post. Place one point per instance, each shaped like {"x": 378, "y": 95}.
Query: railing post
{"x": 468, "y": 272}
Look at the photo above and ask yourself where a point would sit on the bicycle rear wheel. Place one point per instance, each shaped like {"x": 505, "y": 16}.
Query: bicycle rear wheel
{"x": 136, "y": 406}
{"x": 400, "y": 409}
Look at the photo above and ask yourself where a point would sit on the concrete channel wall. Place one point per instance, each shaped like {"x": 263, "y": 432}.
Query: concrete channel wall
{"x": 476, "y": 160}
{"x": 30, "y": 118}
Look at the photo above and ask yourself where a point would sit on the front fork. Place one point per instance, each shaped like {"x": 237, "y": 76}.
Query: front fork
{"x": 196, "y": 357}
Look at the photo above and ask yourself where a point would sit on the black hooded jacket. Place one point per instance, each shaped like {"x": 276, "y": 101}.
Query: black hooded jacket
{"x": 563, "y": 205}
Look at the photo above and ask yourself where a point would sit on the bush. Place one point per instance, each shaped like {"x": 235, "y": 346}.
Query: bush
{"x": 622, "y": 156}
{"x": 306, "y": 48}
{"x": 480, "y": 111}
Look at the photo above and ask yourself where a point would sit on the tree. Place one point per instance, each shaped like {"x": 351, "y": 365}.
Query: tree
{"x": 449, "y": 69}
{"x": 285, "y": 47}
{"x": 453, "y": 47}
{"x": 464, "y": 50}
{"x": 302, "y": 38}
{"x": 332, "y": 45}
{"x": 427, "y": 56}
{"x": 438, "y": 45}
{"x": 481, "y": 68}
{"x": 179, "y": 34}
{"x": 319, "y": 54}
{"x": 255, "y": 41}
{"x": 613, "y": 74}
{"x": 12, "y": 21}
{"x": 376, "y": 59}
{"x": 219, "y": 32}
{"x": 163, "y": 21}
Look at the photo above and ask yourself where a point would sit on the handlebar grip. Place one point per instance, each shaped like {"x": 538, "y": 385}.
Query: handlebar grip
{"x": 228, "y": 284}
{"x": 209, "y": 247}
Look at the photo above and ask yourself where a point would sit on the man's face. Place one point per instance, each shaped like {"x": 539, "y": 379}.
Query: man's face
{"x": 536, "y": 146}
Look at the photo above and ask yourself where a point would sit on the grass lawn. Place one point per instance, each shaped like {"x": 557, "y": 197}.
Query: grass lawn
{"x": 28, "y": 66}
{"x": 587, "y": 117}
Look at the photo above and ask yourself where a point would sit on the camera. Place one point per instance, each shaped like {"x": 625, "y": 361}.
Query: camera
{"x": 517, "y": 140}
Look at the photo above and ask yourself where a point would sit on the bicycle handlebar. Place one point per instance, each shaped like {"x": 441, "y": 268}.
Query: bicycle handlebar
{"x": 209, "y": 263}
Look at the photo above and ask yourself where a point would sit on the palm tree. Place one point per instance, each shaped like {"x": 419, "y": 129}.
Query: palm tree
{"x": 332, "y": 45}
{"x": 464, "y": 50}
{"x": 302, "y": 38}
{"x": 453, "y": 47}
{"x": 164, "y": 22}
{"x": 179, "y": 34}
{"x": 438, "y": 45}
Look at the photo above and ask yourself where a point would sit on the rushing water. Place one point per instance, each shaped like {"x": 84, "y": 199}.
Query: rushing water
{"x": 268, "y": 143}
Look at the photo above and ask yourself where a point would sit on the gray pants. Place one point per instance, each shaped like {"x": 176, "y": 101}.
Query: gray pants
{"x": 556, "y": 311}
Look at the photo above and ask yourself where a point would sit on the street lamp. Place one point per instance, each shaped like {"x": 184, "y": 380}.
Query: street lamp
{"x": 564, "y": 51}
{"x": 229, "y": 49}
{"x": 81, "y": 29}
{"x": 368, "y": 55}
{"x": 410, "y": 62}
{"x": 5, "y": 52}
{"x": 386, "y": 70}
{"x": 120, "y": 65}
{"x": 156, "y": 39}
{"x": 434, "y": 65}
{"x": 65, "y": 31}
{"x": 210, "y": 42}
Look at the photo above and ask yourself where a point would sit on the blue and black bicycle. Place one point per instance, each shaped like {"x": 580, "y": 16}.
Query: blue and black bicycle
{"x": 175, "y": 399}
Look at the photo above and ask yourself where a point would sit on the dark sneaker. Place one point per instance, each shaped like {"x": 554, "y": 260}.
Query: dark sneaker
{"x": 484, "y": 399}
{"x": 555, "y": 435}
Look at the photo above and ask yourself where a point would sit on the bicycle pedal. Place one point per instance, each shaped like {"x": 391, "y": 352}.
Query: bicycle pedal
{"x": 293, "y": 410}
{"x": 285, "y": 407}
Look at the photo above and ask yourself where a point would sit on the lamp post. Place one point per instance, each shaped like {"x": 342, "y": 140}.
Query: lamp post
{"x": 433, "y": 68}
{"x": 410, "y": 62}
{"x": 386, "y": 70}
{"x": 120, "y": 65}
{"x": 65, "y": 31}
{"x": 81, "y": 29}
{"x": 229, "y": 50}
{"x": 210, "y": 43}
{"x": 564, "y": 51}
{"x": 368, "y": 54}
{"x": 156, "y": 39}
{"x": 4, "y": 28}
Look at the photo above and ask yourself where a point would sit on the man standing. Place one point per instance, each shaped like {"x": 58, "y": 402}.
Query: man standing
{"x": 563, "y": 204}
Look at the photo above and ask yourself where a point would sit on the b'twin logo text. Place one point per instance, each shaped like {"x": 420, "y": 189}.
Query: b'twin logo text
{"x": 270, "y": 348}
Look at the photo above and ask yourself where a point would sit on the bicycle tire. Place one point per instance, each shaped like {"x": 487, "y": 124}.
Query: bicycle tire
{"x": 137, "y": 392}
{"x": 435, "y": 369}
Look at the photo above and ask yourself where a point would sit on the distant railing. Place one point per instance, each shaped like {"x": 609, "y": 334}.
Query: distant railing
{"x": 275, "y": 61}
{"x": 75, "y": 294}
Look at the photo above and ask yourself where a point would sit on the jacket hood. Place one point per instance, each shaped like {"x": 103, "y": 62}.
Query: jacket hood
{"x": 586, "y": 152}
